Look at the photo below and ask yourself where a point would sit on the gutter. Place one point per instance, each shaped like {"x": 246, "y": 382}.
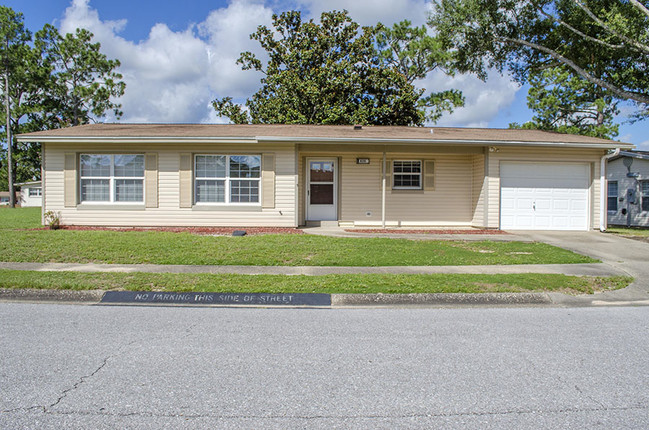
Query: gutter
{"x": 318, "y": 140}
{"x": 603, "y": 215}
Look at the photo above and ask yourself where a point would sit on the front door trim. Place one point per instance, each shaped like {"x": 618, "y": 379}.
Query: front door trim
{"x": 321, "y": 212}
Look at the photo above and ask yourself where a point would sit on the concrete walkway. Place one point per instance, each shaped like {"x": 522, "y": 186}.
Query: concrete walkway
{"x": 590, "y": 269}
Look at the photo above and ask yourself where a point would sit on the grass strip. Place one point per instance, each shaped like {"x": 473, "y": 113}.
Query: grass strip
{"x": 642, "y": 232}
{"x": 333, "y": 284}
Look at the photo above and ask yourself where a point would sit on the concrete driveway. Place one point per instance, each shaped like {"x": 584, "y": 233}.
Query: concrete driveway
{"x": 628, "y": 255}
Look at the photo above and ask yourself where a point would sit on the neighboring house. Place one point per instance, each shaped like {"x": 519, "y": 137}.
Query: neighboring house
{"x": 628, "y": 189}
{"x": 291, "y": 175}
{"x": 31, "y": 194}
{"x": 4, "y": 198}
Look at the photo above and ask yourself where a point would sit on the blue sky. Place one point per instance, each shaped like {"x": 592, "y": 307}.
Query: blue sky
{"x": 178, "y": 56}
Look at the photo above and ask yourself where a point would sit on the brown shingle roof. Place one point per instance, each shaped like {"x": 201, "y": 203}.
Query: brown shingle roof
{"x": 312, "y": 131}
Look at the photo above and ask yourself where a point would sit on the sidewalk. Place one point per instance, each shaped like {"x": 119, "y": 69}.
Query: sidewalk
{"x": 588, "y": 269}
{"x": 620, "y": 256}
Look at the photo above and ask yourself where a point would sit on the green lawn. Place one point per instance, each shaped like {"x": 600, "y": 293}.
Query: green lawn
{"x": 267, "y": 250}
{"x": 19, "y": 218}
{"x": 643, "y": 232}
{"x": 18, "y": 243}
{"x": 341, "y": 284}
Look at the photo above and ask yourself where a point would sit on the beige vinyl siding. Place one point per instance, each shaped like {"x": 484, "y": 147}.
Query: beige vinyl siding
{"x": 448, "y": 203}
{"x": 478, "y": 190}
{"x": 616, "y": 171}
{"x": 169, "y": 212}
{"x": 539, "y": 154}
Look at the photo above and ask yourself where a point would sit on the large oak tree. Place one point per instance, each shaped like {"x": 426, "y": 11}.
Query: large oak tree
{"x": 337, "y": 72}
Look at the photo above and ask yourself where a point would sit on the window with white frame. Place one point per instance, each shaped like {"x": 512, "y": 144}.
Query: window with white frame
{"x": 644, "y": 191}
{"x": 117, "y": 178}
{"x": 35, "y": 192}
{"x": 406, "y": 174}
{"x": 612, "y": 196}
{"x": 227, "y": 178}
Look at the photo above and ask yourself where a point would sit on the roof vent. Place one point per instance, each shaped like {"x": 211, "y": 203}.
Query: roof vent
{"x": 358, "y": 127}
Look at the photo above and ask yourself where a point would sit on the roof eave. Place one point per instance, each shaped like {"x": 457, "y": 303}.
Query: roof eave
{"x": 319, "y": 140}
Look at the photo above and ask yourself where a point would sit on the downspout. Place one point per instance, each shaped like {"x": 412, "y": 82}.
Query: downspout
{"x": 383, "y": 193}
{"x": 603, "y": 215}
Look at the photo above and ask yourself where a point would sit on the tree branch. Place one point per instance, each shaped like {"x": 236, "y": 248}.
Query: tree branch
{"x": 640, "y": 98}
{"x": 640, "y": 6}
{"x": 602, "y": 24}
{"x": 574, "y": 30}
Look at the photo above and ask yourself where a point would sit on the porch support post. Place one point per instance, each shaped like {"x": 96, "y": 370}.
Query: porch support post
{"x": 383, "y": 194}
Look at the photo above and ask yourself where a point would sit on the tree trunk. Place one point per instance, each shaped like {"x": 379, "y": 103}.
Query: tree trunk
{"x": 10, "y": 170}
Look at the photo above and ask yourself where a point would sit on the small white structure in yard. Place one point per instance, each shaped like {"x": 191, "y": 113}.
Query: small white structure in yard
{"x": 31, "y": 194}
{"x": 628, "y": 189}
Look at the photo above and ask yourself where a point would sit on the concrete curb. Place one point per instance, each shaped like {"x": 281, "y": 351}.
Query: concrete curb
{"x": 94, "y": 297}
{"x": 61, "y": 296}
{"x": 440, "y": 299}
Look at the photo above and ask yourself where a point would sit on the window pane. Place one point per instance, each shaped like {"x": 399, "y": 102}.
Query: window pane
{"x": 244, "y": 191}
{"x": 322, "y": 194}
{"x": 95, "y": 190}
{"x": 407, "y": 181}
{"x": 407, "y": 167}
{"x": 35, "y": 192}
{"x": 644, "y": 187}
{"x": 321, "y": 172}
{"x": 129, "y": 190}
{"x": 612, "y": 189}
{"x": 129, "y": 166}
{"x": 210, "y": 166}
{"x": 245, "y": 166}
{"x": 210, "y": 191}
{"x": 612, "y": 204}
{"x": 95, "y": 165}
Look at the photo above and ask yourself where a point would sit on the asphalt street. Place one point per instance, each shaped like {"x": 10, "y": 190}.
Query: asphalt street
{"x": 73, "y": 366}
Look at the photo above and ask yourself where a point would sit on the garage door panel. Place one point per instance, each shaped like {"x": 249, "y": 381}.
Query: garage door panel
{"x": 544, "y": 196}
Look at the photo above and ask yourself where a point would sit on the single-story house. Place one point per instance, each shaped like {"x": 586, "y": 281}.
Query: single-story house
{"x": 4, "y": 198}
{"x": 292, "y": 175}
{"x": 628, "y": 189}
{"x": 31, "y": 194}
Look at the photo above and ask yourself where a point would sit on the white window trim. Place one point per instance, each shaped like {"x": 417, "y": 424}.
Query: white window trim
{"x": 38, "y": 192}
{"x": 642, "y": 194}
{"x": 421, "y": 175}
{"x": 608, "y": 196}
{"x": 111, "y": 182}
{"x": 227, "y": 179}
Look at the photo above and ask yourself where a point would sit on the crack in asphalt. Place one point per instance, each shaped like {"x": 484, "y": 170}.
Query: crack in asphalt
{"x": 64, "y": 393}
{"x": 78, "y": 384}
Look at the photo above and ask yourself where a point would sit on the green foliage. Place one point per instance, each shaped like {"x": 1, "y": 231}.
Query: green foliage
{"x": 568, "y": 104}
{"x": 605, "y": 42}
{"x": 84, "y": 81}
{"x": 414, "y": 54}
{"x": 334, "y": 73}
{"x": 54, "y": 81}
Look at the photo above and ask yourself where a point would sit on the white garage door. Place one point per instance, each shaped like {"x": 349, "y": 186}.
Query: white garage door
{"x": 544, "y": 196}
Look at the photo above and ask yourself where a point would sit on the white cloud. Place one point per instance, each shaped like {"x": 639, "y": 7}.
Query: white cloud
{"x": 172, "y": 76}
{"x": 369, "y": 12}
{"x": 483, "y": 100}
